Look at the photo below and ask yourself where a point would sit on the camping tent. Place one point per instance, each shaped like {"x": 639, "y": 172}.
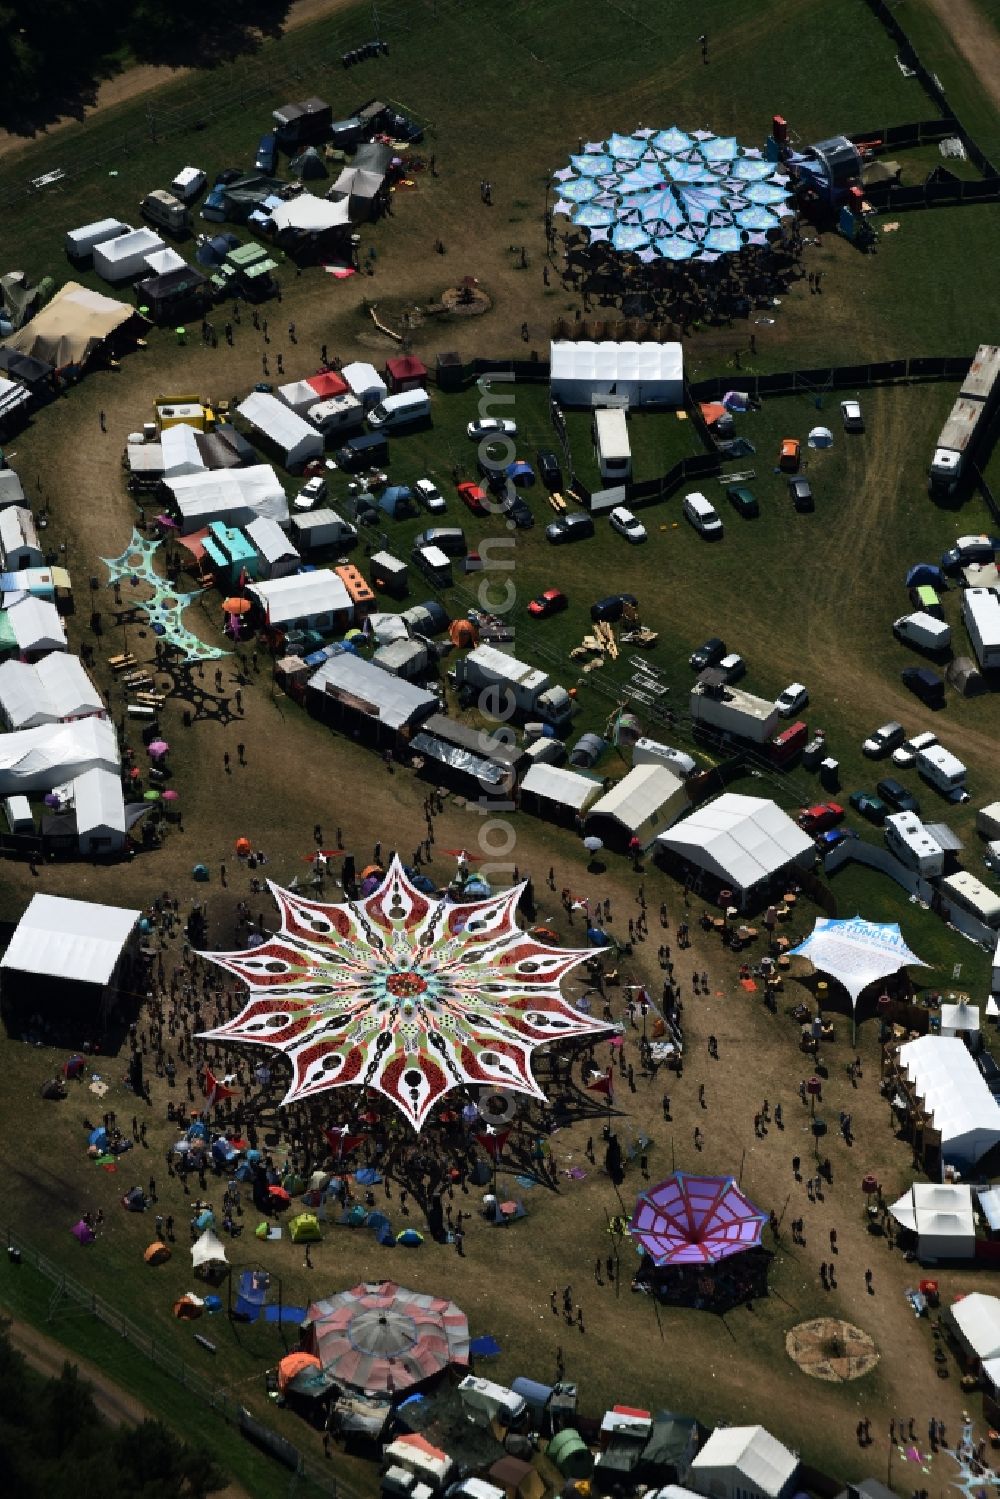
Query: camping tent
{"x": 943, "y": 1073}
{"x": 857, "y": 953}
{"x": 744, "y": 842}
{"x": 304, "y": 1229}
{"x": 636, "y": 374}
{"x": 100, "y": 811}
{"x": 308, "y": 165}
{"x": 365, "y": 382}
{"x": 397, "y": 501}
{"x": 941, "y": 1216}
{"x": 208, "y": 1253}
{"x": 71, "y": 328}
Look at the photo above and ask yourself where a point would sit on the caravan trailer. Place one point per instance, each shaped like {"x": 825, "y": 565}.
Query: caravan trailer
{"x": 907, "y": 838}
{"x": 611, "y": 444}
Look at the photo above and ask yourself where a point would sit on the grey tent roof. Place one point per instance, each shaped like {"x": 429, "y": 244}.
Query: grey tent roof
{"x": 443, "y": 1420}
{"x": 308, "y": 164}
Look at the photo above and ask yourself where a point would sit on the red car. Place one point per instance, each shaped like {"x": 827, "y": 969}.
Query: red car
{"x": 552, "y": 601}
{"x": 474, "y": 496}
{"x": 821, "y": 816}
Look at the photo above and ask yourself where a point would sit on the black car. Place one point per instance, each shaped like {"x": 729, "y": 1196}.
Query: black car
{"x": 801, "y": 494}
{"x": 519, "y": 512}
{"x": 612, "y": 608}
{"x": 897, "y": 796}
{"x": 548, "y": 468}
{"x": 710, "y": 653}
{"x": 266, "y": 160}
{"x": 927, "y": 685}
{"x": 569, "y": 528}
{"x": 743, "y": 500}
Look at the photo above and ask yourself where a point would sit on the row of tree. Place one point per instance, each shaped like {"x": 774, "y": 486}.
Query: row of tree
{"x": 55, "y": 1445}
{"x": 56, "y": 52}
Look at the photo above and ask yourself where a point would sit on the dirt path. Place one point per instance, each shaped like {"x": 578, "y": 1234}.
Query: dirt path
{"x": 116, "y": 1405}
{"x": 145, "y": 77}
{"x": 975, "y": 37}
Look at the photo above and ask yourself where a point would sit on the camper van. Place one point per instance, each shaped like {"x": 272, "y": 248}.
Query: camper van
{"x": 942, "y": 770}
{"x": 907, "y": 838}
{"x": 494, "y": 1401}
{"x": 188, "y": 183}
{"x": 402, "y": 410}
{"x": 166, "y": 212}
{"x": 434, "y": 564}
{"x": 366, "y": 451}
{"x": 342, "y": 413}
{"x": 80, "y": 243}
{"x": 975, "y": 897}
{"x": 611, "y": 444}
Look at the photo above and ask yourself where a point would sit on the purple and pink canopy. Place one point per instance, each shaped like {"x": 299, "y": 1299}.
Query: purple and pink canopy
{"x": 695, "y": 1220}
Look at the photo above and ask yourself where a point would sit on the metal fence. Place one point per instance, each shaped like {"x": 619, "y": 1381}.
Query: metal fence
{"x": 66, "y": 1287}
{"x": 815, "y": 382}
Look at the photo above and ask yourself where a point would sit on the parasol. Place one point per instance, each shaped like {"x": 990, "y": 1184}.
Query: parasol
{"x": 383, "y": 1339}
{"x": 695, "y": 1220}
{"x": 592, "y": 845}
{"x": 170, "y": 795}
{"x": 236, "y": 606}
{"x": 151, "y": 796}
{"x": 157, "y": 748}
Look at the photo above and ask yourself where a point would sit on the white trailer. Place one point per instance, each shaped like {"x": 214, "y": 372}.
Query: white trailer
{"x": 966, "y": 421}
{"x": 981, "y": 613}
{"x": 81, "y": 243}
{"x": 510, "y": 687}
{"x": 941, "y": 769}
{"x": 123, "y": 258}
{"x": 611, "y": 444}
{"x": 907, "y": 838}
{"x": 973, "y": 896}
{"x": 734, "y": 712}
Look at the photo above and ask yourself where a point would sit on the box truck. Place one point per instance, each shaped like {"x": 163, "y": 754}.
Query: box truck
{"x": 981, "y": 613}
{"x": 968, "y": 419}
{"x": 511, "y": 688}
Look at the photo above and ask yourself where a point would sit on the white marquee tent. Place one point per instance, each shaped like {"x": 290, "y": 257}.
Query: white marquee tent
{"x": 38, "y": 759}
{"x": 641, "y": 374}
{"x": 943, "y": 1073}
{"x": 365, "y": 382}
{"x": 19, "y": 543}
{"x": 365, "y": 687}
{"x": 296, "y": 440}
{"x": 856, "y": 952}
{"x": 306, "y": 601}
{"x": 641, "y": 804}
{"x": 100, "y": 811}
{"x": 563, "y": 788}
{"x": 36, "y": 625}
{"x": 52, "y": 690}
{"x": 941, "y": 1215}
{"x": 977, "y": 1318}
{"x": 742, "y": 840}
{"x": 231, "y": 495}
{"x": 277, "y": 554}
{"x": 70, "y": 939}
{"x": 743, "y": 1462}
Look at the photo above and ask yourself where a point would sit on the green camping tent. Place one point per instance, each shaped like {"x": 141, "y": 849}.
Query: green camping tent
{"x": 304, "y": 1229}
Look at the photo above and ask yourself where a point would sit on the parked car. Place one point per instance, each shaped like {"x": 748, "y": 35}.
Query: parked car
{"x": 850, "y": 415}
{"x": 311, "y": 492}
{"x": 552, "y": 601}
{"x": 801, "y": 494}
{"x": 625, "y": 523}
{"x": 895, "y": 794}
{"x": 872, "y": 807}
{"x": 491, "y": 426}
{"x": 733, "y": 667}
{"x": 789, "y": 455}
{"x": 429, "y": 496}
{"x": 703, "y": 516}
{"x": 926, "y": 684}
{"x": 820, "y": 816}
{"x": 743, "y": 501}
{"x": 612, "y": 608}
{"x": 519, "y": 511}
{"x": 569, "y": 528}
{"x": 884, "y": 739}
{"x": 792, "y": 700}
{"x": 473, "y": 497}
{"x": 266, "y": 160}
{"x": 709, "y": 653}
{"x": 548, "y": 468}
{"x": 833, "y": 837}
{"x": 908, "y": 751}
{"x": 969, "y": 549}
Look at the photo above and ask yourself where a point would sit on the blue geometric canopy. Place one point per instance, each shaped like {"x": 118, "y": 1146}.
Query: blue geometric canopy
{"x": 670, "y": 195}
{"x": 857, "y": 952}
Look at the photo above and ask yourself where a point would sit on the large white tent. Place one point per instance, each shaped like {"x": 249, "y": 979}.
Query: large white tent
{"x": 856, "y": 952}
{"x": 744, "y": 841}
{"x": 954, "y": 1092}
{"x": 36, "y": 626}
{"x": 365, "y": 382}
{"x": 278, "y": 556}
{"x": 19, "y": 543}
{"x": 639, "y": 374}
{"x": 179, "y": 451}
{"x": 296, "y": 440}
{"x": 38, "y": 759}
{"x": 367, "y": 689}
{"x": 743, "y": 1462}
{"x": 641, "y": 805}
{"x": 566, "y": 789}
{"x": 310, "y": 215}
{"x": 70, "y": 939}
{"x": 941, "y": 1215}
{"x": 306, "y": 601}
{"x": 100, "y": 811}
{"x": 977, "y": 1318}
{"x": 52, "y": 690}
{"x": 208, "y": 1250}
{"x": 231, "y": 495}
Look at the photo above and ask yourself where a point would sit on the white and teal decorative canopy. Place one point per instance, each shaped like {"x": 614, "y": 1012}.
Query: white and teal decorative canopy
{"x": 669, "y": 195}
{"x": 857, "y": 952}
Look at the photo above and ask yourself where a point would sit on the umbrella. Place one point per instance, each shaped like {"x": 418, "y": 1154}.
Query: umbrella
{"x": 410, "y": 1238}
{"x": 83, "y": 1232}
{"x": 170, "y": 795}
{"x": 385, "y": 1339}
{"x": 157, "y": 748}
{"x": 279, "y": 1194}
{"x": 167, "y": 520}
{"x": 243, "y": 847}
{"x": 151, "y": 796}
{"x": 236, "y": 606}
{"x": 593, "y": 844}
{"x": 695, "y": 1220}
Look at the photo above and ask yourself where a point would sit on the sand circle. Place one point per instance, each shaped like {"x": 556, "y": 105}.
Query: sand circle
{"x": 830, "y": 1349}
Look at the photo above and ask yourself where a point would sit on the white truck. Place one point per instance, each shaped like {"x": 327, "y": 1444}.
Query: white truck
{"x": 718, "y": 706}
{"x": 510, "y": 688}
{"x": 611, "y": 444}
{"x": 966, "y": 422}
{"x": 981, "y": 613}
{"x": 923, "y": 630}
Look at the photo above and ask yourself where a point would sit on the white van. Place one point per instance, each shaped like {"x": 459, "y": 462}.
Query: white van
{"x": 17, "y": 810}
{"x": 966, "y": 891}
{"x": 611, "y": 444}
{"x": 400, "y": 411}
{"x": 434, "y": 564}
{"x": 80, "y": 243}
{"x": 942, "y": 770}
{"x": 907, "y": 838}
{"x": 492, "y": 1400}
{"x": 703, "y": 516}
{"x": 188, "y": 184}
{"x": 923, "y": 630}
{"x": 653, "y": 752}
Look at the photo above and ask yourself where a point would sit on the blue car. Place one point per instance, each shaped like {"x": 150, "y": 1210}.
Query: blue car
{"x": 833, "y": 837}
{"x": 266, "y": 159}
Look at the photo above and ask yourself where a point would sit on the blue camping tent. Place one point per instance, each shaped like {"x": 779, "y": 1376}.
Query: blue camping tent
{"x": 397, "y": 501}
{"x": 212, "y": 252}
{"x": 520, "y": 473}
{"x": 925, "y": 575}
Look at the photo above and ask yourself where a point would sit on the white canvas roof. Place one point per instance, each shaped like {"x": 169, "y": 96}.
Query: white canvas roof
{"x": 69, "y": 939}
{"x": 568, "y": 788}
{"x": 643, "y": 372}
{"x": 298, "y": 395}
{"x": 18, "y": 530}
{"x": 941, "y": 1214}
{"x": 303, "y": 595}
{"x": 310, "y": 214}
{"x": 72, "y": 325}
{"x": 269, "y": 539}
{"x": 141, "y": 242}
{"x": 978, "y": 1316}
{"x": 944, "y": 1074}
{"x": 857, "y": 952}
{"x": 48, "y": 691}
{"x": 740, "y": 839}
{"x": 99, "y": 802}
{"x": 233, "y": 495}
{"x": 36, "y": 625}
{"x": 391, "y": 700}
{"x": 288, "y": 431}
{"x": 180, "y": 451}
{"x": 208, "y": 1250}
{"x": 167, "y": 259}
{"x": 748, "y": 1450}
{"x": 960, "y": 1017}
{"x": 38, "y": 759}
{"x": 638, "y": 797}
{"x": 364, "y": 379}
{"x": 11, "y": 488}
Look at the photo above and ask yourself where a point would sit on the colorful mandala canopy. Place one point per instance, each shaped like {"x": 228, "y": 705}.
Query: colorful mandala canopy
{"x": 403, "y": 993}
{"x": 695, "y": 1220}
{"x": 667, "y": 195}
{"x": 164, "y": 609}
